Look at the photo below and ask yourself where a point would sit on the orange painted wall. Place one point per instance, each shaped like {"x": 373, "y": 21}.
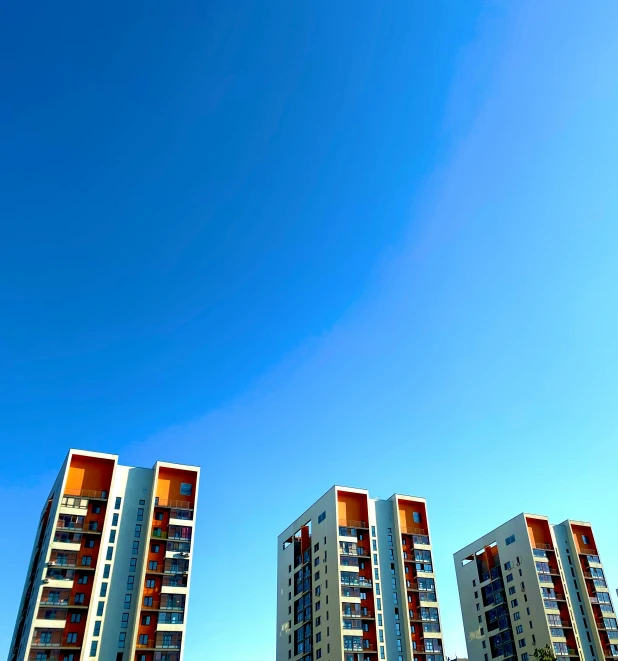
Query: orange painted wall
{"x": 406, "y": 515}
{"x": 89, "y": 473}
{"x": 538, "y": 531}
{"x": 578, "y": 531}
{"x": 351, "y": 506}
{"x": 169, "y": 481}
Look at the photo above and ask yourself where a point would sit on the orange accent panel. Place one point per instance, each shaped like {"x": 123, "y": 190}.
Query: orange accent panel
{"x": 578, "y": 532}
{"x": 89, "y": 473}
{"x": 169, "y": 481}
{"x": 352, "y": 507}
{"x": 407, "y": 510}
{"x": 538, "y": 531}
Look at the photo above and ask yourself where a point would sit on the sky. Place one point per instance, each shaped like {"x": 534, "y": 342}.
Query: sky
{"x": 306, "y": 244}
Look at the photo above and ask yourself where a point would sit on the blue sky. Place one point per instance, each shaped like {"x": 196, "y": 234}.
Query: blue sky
{"x": 246, "y": 235}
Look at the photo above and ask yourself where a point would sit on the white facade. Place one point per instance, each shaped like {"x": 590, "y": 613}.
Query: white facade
{"x": 86, "y": 581}
{"x": 358, "y": 598}
{"x": 528, "y": 584}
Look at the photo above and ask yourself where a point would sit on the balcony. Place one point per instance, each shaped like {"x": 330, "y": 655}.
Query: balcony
{"x": 364, "y": 613}
{"x": 87, "y": 493}
{"x": 543, "y": 547}
{"x": 421, "y": 532}
{"x": 53, "y": 639}
{"x": 422, "y": 649}
{"x": 350, "y": 523}
{"x": 176, "y": 504}
{"x": 158, "y": 533}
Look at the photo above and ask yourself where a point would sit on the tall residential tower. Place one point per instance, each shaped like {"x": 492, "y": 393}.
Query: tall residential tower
{"x": 109, "y": 574}
{"x": 355, "y": 581}
{"x": 528, "y": 584}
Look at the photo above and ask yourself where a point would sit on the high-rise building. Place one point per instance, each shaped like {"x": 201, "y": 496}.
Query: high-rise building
{"x": 355, "y": 581}
{"x": 528, "y": 584}
{"x": 109, "y": 575}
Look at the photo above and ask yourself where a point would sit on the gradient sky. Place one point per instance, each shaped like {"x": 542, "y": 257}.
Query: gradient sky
{"x": 300, "y": 244}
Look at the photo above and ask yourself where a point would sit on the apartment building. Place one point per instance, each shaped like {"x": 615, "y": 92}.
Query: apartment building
{"x": 355, "y": 581}
{"x": 110, "y": 571}
{"x": 528, "y": 584}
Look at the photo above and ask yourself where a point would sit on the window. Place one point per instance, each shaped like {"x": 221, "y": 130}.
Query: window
{"x": 512, "y": 590}
{"x": 112, "y": 536}
{"x": 585, "y": 540}
{"x": 72, "y": 637}
{"x": 135, "y": 550}
{"x": 146, "y": 620}
{"x": 143, "y": 639}
{"x": 86, "y": 560}
{"x": 76, "y": 617}
{"x": 416, "y": 516}
{"x": 103, "y": 589}
{"x": 510, "y": 540}
{"x": 124, "y": 622}
{"x": 507, "y": 565}
{"x": 516, "y": 616}
{"x": 133, "y": 564}
{"x": 138, "y": 530}
{"x": 321, "y": 517}
{"x": 96, "y": 509}
{"x": 110, "y": 553}
{"x": 318, "y": 654}
{"x": 89, "y": 544}
{"x": 520, "y": 628}
{"x": 93, "y": 648}
{"x": 514, "y": 603}
{"x": 97, "y": 628}
{"x": 127, "y": 601}
{"x": 147, "y": 601}
{"x": 140, "y": 514}
{"x": 509, "y": 578}
{"x": 118, "y": 502}
{"x": 83, "y": 579}
{"x": 150, "y": 583}
{"x": 121, "y": 639}
{"x": 100, "y": 607}
{"x": 524, "y": 656}
{"x": 185, "y": 489}
{"x": 142, "y": 502}
{"x": 521, "y": 642}
{"x": 153, "y": 564}
{"x": 154, "y": 548}
{"x": 106, "y": 571}
{"x": 79, "y": 598}
{"x": 159, "y": 516}
{"x": 115, "y": 519}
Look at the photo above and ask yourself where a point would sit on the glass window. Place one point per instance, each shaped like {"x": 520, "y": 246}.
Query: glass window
{"x": 185, "y": 489}
{"x": 124, "y": 623}
{"x": 121, "y": 639}
{"x": 103, "y": 589}
{"x": 510, "y": 540}
{"x": 118, "y": 502}
{"x": 115, "y": 519}
{"x": 140, "y": 514}
{"x": 93, "y": 648}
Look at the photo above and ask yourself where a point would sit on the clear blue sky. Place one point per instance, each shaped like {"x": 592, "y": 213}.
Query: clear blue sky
{"x": 301, "y": 244}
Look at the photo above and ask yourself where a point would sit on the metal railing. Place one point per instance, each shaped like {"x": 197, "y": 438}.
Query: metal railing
{"x": 86, "y": 493}
{"x": 414, "y": 531}
{"x": 176, "y": 504}
{"x": 544, "y": 547}
{"x": 350, "y": 523}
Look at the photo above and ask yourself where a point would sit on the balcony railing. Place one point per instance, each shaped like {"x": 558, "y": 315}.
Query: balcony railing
{"x": 87, "y": 493}
{"x": 421, "y": 532}
{"x": 544, "y": 547}
{"x": 351, "y": 523}
{"x": 158, "y": 533}
{"x": 587, "y": 551}
{"x": 53, "y": 641}
{"x": 176, "y": 504}
{"x": 364, "y": 613}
